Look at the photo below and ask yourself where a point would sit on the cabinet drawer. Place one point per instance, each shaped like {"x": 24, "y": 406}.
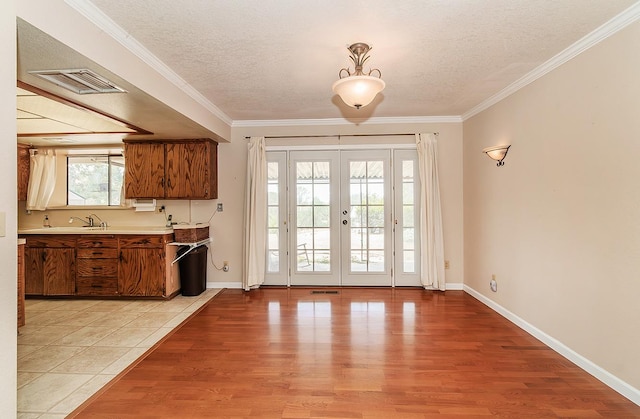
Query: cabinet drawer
{"x": 97, "y": 267}
{"x": 97, "y": 253}
{"x": 96, "y": 286}
{"x": 143, "y": 241}
{"x": 52, "y": 240}
{"x": 98, "y": 241}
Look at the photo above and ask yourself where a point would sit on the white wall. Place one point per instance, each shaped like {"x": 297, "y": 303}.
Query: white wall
{"x": 8, "y": 192}
{"x": 559, "y": 223}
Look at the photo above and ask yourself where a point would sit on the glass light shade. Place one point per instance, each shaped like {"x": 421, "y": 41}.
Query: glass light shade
{"x": 497, "y": 153}
{"x": 358, "y": 91}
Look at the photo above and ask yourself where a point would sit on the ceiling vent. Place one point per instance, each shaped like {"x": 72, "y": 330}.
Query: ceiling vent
{"x": 80, "y": 81}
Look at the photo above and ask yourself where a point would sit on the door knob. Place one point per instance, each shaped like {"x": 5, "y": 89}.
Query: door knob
{"x": 344, "y": 212}
{"x": 344, "y": 222}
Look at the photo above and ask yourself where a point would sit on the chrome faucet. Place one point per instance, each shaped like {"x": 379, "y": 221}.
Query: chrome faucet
{"x": 87, "y": 223}
{"x": 102, "y": 223}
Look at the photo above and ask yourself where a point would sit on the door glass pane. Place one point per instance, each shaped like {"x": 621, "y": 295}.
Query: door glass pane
{"x": 359, "y": 261}
{"x": 313, "y": 223}
{"x": 273, "y": 217}
{"x": 409, "y": 261}
{"x": 375, "y": 216}
{"x": 321, "y": 193}
{"x": 305, "y": 216}
{"x": 375, "y": 191}
{"x": 321, "y": 216}
{"x": 376, "y": 261}
{"x": 366, "y": 186}
{"x": 408, "y": 216}
{"x": 358, "y": 239}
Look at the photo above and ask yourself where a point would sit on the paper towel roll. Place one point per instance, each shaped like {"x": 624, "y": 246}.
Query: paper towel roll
{"x": 144, "y": 205}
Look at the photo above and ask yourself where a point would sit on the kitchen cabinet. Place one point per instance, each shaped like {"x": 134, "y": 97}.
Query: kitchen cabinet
{"x": 101, "y": 265}
{"x": 21, "y": 314}
{"x": 140, "y": 271}
{"x": 24, "y": 165}
{"x": 97, "y": 266}
{"x": 144, "y": 269}
{"x": 144, "y": 170}
{"x": 176, "y": 169}
{"x": 50, "y": 265}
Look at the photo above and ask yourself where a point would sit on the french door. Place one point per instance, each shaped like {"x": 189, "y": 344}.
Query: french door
{"x": 340, "y": 223}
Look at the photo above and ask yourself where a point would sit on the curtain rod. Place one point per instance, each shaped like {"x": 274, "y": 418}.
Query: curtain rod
{"x": 336, "y": 136}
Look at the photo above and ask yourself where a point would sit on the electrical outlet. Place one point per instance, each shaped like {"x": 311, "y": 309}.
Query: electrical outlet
{"x": 493, "y": 284}
{"x": 219, "y": 207}
{"x": 225, "y": 266}
{"x": 446, "y": 264}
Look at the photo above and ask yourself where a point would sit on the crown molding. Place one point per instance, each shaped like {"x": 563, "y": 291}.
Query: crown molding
{"x": 452, "y": 119}
{"x": 601, "y": 33}
{"x": 102, "y": 21}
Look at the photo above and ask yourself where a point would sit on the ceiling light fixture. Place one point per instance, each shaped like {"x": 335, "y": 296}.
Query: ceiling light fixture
{"x": 497, "y": 153}
{"x": 358, "y": 89}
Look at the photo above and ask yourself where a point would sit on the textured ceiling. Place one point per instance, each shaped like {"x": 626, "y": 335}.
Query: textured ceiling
{"x": 265, "y": 60}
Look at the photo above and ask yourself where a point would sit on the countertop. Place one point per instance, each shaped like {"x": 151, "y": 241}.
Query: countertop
{"x": 98, "y": 230}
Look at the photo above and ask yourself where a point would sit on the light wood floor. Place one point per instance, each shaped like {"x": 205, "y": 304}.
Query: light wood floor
{"x": 360, "y": 353}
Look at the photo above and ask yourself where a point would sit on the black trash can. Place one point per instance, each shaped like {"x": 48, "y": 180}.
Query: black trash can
{"x": 193, "y": 270}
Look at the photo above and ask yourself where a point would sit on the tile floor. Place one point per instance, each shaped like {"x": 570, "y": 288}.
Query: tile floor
{"x": 69, "y": 349}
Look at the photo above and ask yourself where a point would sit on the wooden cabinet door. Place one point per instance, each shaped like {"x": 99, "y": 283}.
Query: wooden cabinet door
{"x": 144, "y": 170}
{"x": 140, "y": 272}
{"x": 188, "y": 170}
{"x": 24, "y": 163}
{"x": 21, "y": 285}
{"x": 34, "y": 271}
{"x": 59, "y": 271}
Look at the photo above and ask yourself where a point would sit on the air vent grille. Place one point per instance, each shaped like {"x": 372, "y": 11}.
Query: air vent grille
{"x": 80, "y": 81}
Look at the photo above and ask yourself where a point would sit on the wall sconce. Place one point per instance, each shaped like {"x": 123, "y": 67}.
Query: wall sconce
{"x": 497, "y": 153}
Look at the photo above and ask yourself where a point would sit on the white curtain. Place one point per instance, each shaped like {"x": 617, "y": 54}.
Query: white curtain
{"x": 42, "y": 179}
{"x": 431, "y": 238}
{"x": 255, "y": 230}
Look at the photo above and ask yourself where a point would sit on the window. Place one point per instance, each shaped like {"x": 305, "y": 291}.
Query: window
{"x": 95, "y": 180}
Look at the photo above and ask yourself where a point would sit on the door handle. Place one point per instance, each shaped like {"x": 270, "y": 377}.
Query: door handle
{"x": 345, "y": 212}
{"x": 344, "y": 222}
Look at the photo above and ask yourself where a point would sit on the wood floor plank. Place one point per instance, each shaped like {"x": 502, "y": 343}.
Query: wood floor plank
{"x": 361, "y": 353}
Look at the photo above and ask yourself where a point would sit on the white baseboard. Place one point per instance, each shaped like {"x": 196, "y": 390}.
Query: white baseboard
{"x": 233, "y": 285}
{"x": 598, "y": 372}
{"x": 456, "y": 286}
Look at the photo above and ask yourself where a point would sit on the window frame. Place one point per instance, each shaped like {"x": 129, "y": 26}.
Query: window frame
{"x": 109, "y": 156}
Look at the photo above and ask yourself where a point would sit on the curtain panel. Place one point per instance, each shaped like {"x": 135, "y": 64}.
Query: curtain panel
{"x": 42, "y": 179}
{"x": 431, "y": 236}
{"x": 255, "y": 220}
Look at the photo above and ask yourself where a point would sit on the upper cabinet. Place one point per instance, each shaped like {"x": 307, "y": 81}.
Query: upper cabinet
{"x": 144, "y": 170}
{"x": 176, "y": 169}
{"x": 23, "y": 171}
